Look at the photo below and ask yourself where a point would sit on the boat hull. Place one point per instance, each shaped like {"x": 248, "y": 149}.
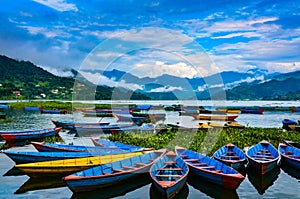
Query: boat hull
{"x": 263, "y": 157}
{"x": 110, "y": 174}
{"x": 163, "y": 173}
{"x": 66, "y": 167}
{"x": 221, "y": 174}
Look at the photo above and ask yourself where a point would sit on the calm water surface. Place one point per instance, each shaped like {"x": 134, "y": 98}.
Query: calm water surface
{"x": 278, "y": 184}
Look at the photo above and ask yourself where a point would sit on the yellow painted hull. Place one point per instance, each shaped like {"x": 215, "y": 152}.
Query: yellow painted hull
{"x": 68, "y": 166}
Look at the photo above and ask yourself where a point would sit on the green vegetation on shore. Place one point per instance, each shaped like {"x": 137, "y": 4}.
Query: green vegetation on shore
{"x": 207, "y": 142}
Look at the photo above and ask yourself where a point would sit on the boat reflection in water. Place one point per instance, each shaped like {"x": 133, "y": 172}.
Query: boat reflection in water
{"x": 156, "y": 194}
{"x": 115, "y": 190}
{"x": 211, "y": 189}
{"x": 263, "y": 182}
{"x": 33, "y": 184}
{"x": 290, "y": 171}
{"x": 14, "y": 171}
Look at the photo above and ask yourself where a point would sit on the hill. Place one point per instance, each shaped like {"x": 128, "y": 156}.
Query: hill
{"x": 24, "y": 80}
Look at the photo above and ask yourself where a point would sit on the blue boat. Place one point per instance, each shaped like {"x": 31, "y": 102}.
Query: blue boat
{"x": 70, "y": 125}
{"x": 252, "y": 111}
{"x": 292, "y": 144}
{"x": 51, "y": 147}
{"x": 31, "y": 135}
{"x": 169, "y": 174}
{"x": 135, "y": 119}
{"x": 210, "y": 169}
{"x": 108, "y": 143}
{"x": 54, "y": 111}
{"x": 108, "y": 175}
{"x": 4, "y": 106}
{"x": 32, "y": 108}
{"x": 289, "y": 124}
{"x": 262, "y": 157}
{"x": 231, "y": 155}
{"x": 289, "y": 155}
{"x": 34, "y": 156}
{"x": 92, "y": 130}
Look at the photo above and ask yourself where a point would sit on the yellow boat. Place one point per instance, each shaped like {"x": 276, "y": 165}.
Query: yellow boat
{"x": 216, "y": 117}
{"x": 203, "y": 126}
{"x": 68, "y": 166}
{"x": 231, "y": 124}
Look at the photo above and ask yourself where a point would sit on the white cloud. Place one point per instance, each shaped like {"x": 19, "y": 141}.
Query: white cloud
{"x": 33, "y": 30}
{"x": 99, "y": 79}
{"x": 239, "y": 34}
{"x": 166, "y": 89}
{"x": 159, "y": 68}
{"x": 59, "y": 5}
{"x": 247, "y": 80}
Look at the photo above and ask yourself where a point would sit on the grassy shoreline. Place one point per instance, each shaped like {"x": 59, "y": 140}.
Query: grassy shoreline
{"x": 208, "y": 142}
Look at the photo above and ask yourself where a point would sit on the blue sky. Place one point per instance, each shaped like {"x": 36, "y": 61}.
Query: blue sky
{"x": 166, "y": 36}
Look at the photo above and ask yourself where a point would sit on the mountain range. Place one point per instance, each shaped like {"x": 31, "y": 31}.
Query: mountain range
{"x": 34, "y": 82}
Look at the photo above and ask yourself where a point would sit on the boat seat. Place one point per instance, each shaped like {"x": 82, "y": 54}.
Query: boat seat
{"x": 230, "y": 153}
{"x": 166, "y": 183}
{"x": 230, "y": 156}
{"x": 263, "y": 159}
{"x": 117, "y": 170}
{"x": 128, "y": 167}
{"x": 199, "y": 164}
{"x": 167, "y": 176}
{"x": 264, "y": 156}
{"x": 170, "y": 162}
{"x": 217, "y": 171}
{"x": 183, "y": 156}
{"x": 170, "y": 169}
{"x": 191, "y": 160}
{"x": 140, "y": 164}
{"x": 208, "y": 167}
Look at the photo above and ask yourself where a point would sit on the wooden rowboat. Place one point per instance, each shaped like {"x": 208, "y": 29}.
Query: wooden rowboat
{"x": 231, "y": 155}
{"x": 209, "y": 169}
{"x": 216, "y": 117}
{"x": 262, "y": 157}
{"x": 169, "y": 174}
{"x": 292, "y": 144}
{"x": 109, "y": 174}
{"x": 34, "y": 156}
{"x": 51, "y": 147}
{"x": 289, "y": 155}
{"x": 108, "y": 143}
{"x": 68, "y": 166}
{"x": 13, "y": 137}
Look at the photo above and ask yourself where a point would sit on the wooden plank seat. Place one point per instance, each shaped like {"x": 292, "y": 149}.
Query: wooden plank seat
{"x": 217, "y": 171}
{"x": 118, "y": 170}
{"x": 199, "y": 164}
{"x": 128, "y": 167}
{"x": 264, "y": 156}
{"x": 170, "y": 162}
{"x": 140, "y": 164}
{"x": 166, "y": 183}
{"x": 191, "y": 160}
{"x": 263, "y": 159}
{"x": 236, "y": 157}
{"x": 230, "y": 153}
{"x": 167, "y": 176}
{"x": 183, "y": 156}
{"x": 208, "y": 167}
{"x": 170, "y": 169}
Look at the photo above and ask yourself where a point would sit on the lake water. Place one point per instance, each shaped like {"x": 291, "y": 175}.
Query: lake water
{"x": 277, "y": 184}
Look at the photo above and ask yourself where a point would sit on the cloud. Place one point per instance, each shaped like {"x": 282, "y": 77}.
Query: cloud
{"x": 100, "y": 79}
{"x": 166, "y": 89}
{"x": 247, "y": 80}
{"x": 59, "y": 5}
